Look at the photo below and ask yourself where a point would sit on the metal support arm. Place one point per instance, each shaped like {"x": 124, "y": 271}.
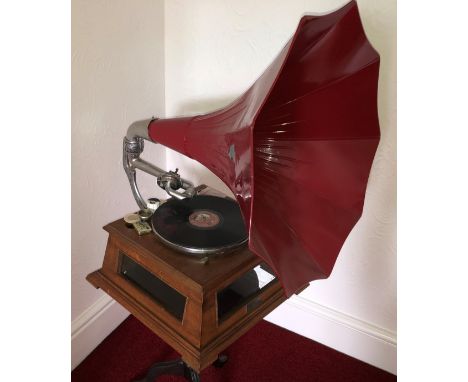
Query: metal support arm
{"x": 133, "y": 145}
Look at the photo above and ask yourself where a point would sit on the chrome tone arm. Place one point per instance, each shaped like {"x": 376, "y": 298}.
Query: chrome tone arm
{"x": 133, "y": 145}
{"x": 141, "y": 164}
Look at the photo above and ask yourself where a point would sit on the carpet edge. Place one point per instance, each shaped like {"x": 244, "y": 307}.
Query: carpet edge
{"x": 347, "y": 334}
{"x": 93, "y": 325}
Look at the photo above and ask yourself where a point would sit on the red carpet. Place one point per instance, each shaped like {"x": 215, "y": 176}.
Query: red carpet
{"x": 266, "y": 353}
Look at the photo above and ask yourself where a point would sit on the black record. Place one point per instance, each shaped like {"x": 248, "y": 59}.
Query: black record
{"x": 203, "y": 224}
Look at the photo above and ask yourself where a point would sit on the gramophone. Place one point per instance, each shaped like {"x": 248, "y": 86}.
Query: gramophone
{"x": 296, "y": 150}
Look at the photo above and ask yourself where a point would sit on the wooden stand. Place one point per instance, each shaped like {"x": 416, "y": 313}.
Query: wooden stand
{"x": 186, "y": 301}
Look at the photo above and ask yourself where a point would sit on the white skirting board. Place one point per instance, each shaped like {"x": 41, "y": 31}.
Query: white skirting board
{"x": 352, "y": 336}
{"x": 93, "y": 325}
{"x": 347, "y": 334}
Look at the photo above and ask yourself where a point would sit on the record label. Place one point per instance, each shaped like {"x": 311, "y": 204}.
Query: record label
{"x": 204, "y": 219}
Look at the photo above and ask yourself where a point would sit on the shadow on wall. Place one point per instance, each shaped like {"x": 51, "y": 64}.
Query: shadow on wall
{"x": 204, "y": 106}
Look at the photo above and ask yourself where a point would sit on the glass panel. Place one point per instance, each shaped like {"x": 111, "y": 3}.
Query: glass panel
{"x": 244, "y": 290}
{"x": 166, "y": 296}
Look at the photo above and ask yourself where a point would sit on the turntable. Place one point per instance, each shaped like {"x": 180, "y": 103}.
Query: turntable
{"x": 296, "y": 150}
{"x": 203, "y": 225}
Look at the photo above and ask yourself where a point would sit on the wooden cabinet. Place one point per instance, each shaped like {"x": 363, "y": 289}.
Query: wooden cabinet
{"x": 197, "y": 306}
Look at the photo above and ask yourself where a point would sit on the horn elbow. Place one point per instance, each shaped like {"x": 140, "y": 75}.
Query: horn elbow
{"x": 139, "y": 129}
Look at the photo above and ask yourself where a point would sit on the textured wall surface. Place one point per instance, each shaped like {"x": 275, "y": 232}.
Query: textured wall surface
{"x": 117, "y": 78}
{"x": 214, "y": 51}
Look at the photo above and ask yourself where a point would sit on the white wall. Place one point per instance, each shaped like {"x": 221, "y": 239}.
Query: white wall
{"x": 214, "y": 50}
{"x": 117, "y": 78}
{"x": 203, "y": 54}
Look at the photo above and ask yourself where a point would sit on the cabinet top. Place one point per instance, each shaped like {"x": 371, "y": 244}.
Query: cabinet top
{"x": 207, "y": 274}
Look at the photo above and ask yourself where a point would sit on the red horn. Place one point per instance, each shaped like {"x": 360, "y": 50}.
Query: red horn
{"x": 297, "y": 147}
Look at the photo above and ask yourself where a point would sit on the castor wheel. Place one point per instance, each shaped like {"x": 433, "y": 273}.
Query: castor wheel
{"x": 222, "y": 359}
{"x": 176, "y": 367}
